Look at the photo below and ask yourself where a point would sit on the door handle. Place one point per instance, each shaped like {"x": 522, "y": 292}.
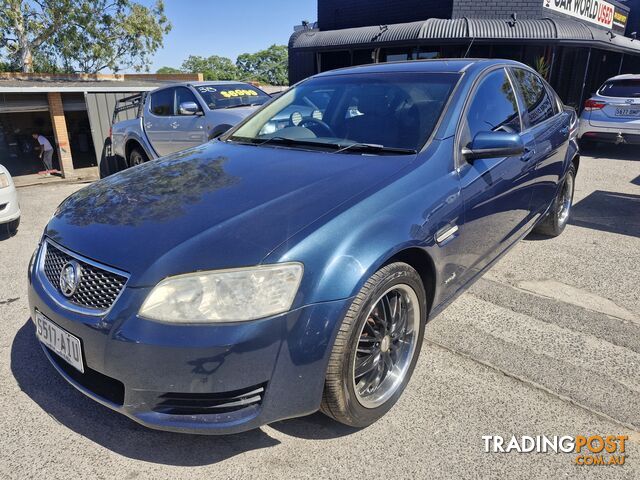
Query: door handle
{"x": 174, "y": 125}
{"x": 528, "y": 154}
{"x": 148, "y": 125}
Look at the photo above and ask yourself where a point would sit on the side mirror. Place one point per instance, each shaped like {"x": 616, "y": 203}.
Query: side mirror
{"x": 493, "y": 145}
{"x": 189, "y": 108}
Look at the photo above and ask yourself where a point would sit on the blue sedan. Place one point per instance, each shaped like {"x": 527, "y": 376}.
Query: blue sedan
{"x": 291, "y": 265}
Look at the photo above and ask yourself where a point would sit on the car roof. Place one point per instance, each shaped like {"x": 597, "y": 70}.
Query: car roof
{"x": 208, "y": 83}
{"x": 626, "y": 76}
{"x": 217, "y": 82}
{"x": 445, "y": 65}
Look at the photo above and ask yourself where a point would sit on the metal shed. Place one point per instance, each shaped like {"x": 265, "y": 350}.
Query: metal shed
{"x": 59, "y": 108}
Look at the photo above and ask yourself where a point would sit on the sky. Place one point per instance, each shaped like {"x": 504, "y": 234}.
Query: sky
{"x": 228, "y": 28}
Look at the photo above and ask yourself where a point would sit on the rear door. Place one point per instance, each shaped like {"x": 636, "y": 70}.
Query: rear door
{"x": 496, "y": 191}
{"x": 189, "y": 130}
{"x": 158, "y": 118}
{"x": 548, "y": 126}
{"x": 620, "y": 100}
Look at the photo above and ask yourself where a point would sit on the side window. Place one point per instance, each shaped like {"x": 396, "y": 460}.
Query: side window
{"x": 493, "y": 108}
{"x": 162, "y": 102}
{"x": 536, "y": 97}
{"x": 183, "y": 95}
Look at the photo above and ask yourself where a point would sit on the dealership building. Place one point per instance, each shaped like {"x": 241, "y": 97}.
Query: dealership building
{"x": 73, "y": 111}
{"x": 575, "y": 44}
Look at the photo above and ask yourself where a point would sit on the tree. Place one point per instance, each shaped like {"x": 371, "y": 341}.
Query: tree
{"x": 168, "y": 70}
{"x": 82, "y": 35}
{"x": 268, "y": 66}
{"x": 213, "y": 67}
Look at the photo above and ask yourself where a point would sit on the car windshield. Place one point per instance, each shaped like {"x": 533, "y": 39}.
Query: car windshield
{"x": 231, "y": 95}
{"x": 621, "y": 88}
{"x": 359, "y": 113}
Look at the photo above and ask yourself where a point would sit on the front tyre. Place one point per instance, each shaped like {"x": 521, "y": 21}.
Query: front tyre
{"x": 137, "y": 157}
{"x": 12, "y": 227}
{"x": 377, "y": 346}
{"x": 558, "y": 216}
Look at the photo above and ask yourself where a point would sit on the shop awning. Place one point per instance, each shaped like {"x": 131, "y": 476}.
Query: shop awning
{"x": 547, "y": 30}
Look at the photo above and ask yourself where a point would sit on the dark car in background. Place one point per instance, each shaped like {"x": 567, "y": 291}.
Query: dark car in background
{"x": 291, "y": 265}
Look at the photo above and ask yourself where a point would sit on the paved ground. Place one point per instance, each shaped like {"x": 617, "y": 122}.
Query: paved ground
{"x": 547, "y": 343}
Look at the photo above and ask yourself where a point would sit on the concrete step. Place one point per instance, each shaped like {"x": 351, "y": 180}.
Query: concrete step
{"x": 581, "y": 356}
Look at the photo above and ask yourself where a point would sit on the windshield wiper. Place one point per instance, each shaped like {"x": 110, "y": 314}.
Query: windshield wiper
{"x": 278, "y": 140}
{"x": 374, "y": 148}
{"x": 336, "y": 147}
{"x": 238, "y": 105}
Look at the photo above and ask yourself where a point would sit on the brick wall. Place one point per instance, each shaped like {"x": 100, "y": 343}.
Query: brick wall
{"x": 497, "y": 8}
{"x": 179, "y": 77}
{"x": 337, "y": 14}
{"x": 59, "y": 124}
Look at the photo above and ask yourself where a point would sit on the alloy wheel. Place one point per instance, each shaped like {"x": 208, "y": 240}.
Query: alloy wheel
{"x": 386, "y": 346}
{"x": 565, "y": 200}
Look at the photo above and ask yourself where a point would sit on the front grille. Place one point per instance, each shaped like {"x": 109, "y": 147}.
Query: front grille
{"x": 98, "y": 288}
{"x": 210, "y": 403}
{"x": 106, "y": 387}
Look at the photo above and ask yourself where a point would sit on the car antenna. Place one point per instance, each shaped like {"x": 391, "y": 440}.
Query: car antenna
{"x": 466, "y": 54}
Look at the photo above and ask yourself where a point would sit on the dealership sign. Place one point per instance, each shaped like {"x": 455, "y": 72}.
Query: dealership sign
{"x": 595, "y": 11}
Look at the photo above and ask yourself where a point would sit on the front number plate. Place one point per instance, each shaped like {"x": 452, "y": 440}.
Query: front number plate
{"x": 65, "y": 345}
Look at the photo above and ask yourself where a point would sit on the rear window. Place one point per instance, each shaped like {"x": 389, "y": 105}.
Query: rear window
{"x": 621, "y": 88}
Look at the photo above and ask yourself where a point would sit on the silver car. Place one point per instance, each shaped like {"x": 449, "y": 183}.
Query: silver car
{"x": 612, "y": 115}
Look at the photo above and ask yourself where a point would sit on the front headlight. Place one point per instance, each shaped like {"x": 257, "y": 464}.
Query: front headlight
{"x": 4, "y": 181}
{"x": 235, "y": 295}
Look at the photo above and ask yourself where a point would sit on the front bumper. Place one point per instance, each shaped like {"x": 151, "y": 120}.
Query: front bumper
{"x": 168, "y": 377}
{"x": 9, "y": 206}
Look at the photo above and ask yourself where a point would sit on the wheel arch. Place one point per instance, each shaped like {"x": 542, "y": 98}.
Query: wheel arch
{"x": 576, "y": 161}
{"x": 421, "y": 262}
{"x": 130, "y": 145}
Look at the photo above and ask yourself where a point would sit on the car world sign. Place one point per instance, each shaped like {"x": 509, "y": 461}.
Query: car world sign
{"x": 594, "y": 11}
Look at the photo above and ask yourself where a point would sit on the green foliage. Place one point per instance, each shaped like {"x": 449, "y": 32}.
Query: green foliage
{"x": 168, "y": 70}
{"x": 542, "y": 67}
{"x": 213, "y": 67}
{"x": 81, "y": 35}
{"x": 268, "y": 66}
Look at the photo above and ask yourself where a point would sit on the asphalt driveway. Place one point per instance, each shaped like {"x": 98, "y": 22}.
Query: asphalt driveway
{"x": 547, "y": 343}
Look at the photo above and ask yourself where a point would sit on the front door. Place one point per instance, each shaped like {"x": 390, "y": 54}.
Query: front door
{"x": 157, "y": 121}
{"x": 549, "y": 126}
{"x": 189, "y": 130}
{"x": 495, "y": 191}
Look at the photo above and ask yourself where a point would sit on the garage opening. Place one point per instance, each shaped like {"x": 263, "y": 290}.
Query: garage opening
{"x": 79, "y": 130}
{"x": 20, "y": 116}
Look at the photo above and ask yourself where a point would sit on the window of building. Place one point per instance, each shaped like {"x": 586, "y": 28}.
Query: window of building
{"x": 333, "y": 60}
{"x": 162, "y": 102}
{"x": 362, "y": 57}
